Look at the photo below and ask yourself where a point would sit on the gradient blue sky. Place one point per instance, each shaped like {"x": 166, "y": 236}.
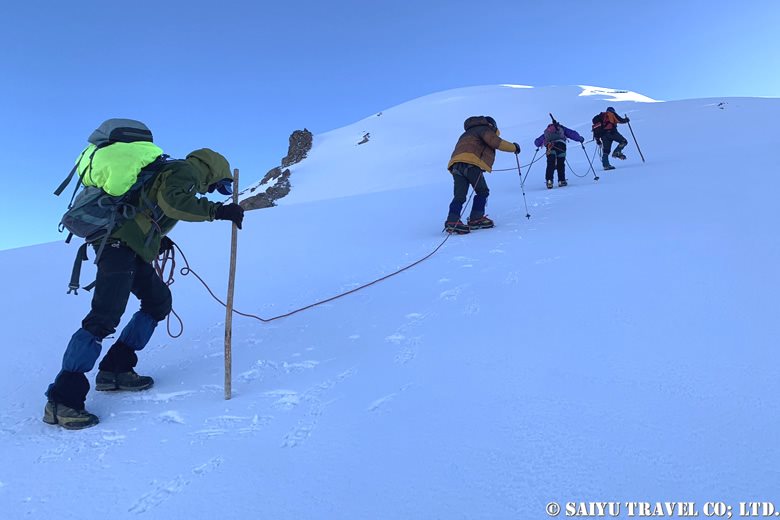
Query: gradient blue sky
{"x": 239, "y": 77}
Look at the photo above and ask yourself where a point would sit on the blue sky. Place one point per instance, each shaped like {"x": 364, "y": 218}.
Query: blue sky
{"x": 239, "y": 77}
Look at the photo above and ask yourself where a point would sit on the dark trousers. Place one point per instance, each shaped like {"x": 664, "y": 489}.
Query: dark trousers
{"x": 555, "y": 162}
{"x": 120, "y": 272}
{"x": 463, "y": 176}
{"x": 610, "y": 137}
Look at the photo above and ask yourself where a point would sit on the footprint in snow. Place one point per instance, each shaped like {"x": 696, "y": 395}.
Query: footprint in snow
{"x": 405, "y": 355}
{"x": 294, "y": 368}
{"x": 549, "y": 260}
{"x": 395, "y": 338}
{"x": 513, "y": 277}
{"x": 162, "y": 492}
{"x": 284, "y": 399}
{"x": 377, "y": 404}
{"x": 316, "y": 408}
{"x": 171, "y": 416}
{"x": 209, "y": 432}
{"x": 297, "y": 435}
{"x": 451, "y": 294}
{"x": 159, "y": 397}
{"x": 471, "y": 308}
{"x": 409, "y": 351}
{"x": 260, "y": 366}
{"x": 383, "y": 401}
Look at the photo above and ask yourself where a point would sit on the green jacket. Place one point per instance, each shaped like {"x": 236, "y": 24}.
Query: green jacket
{"x": 175, "y": 193}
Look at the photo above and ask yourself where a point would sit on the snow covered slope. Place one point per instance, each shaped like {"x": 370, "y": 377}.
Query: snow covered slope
{"x": 410, "y": 145}
{"x": 620, "y": 344}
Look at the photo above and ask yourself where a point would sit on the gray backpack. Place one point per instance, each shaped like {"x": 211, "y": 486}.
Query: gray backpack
{"x": 554, "y": 132}
{"x": 95, "y": 215}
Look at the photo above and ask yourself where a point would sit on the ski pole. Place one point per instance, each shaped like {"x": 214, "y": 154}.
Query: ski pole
{"x": 637, "y": 144}
{"x": 595, "y": 177}
{"x": 529, "y": 167}
{"x": 229, "y": 303}
{"x": 522, "y": 180}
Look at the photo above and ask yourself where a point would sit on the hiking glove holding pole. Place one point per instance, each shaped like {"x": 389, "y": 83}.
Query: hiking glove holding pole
{"x": 232, "y": 212}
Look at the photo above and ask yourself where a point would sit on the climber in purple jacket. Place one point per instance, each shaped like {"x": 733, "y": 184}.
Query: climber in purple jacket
{"x": 554, "y": 139}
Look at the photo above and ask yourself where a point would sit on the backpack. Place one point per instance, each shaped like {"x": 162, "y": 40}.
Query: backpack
{"x": 554, "y": 132}
{"x": 598, "y": 125}
{"x": 115, "y": 168}
{"x": 94, "y": 214}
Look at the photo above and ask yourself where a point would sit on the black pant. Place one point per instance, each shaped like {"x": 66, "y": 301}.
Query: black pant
{"x": 463, "y": 176}
{"x": 555, "y": 162}
{"x": 122, "y": 272}
{"x": 608, "y": 138}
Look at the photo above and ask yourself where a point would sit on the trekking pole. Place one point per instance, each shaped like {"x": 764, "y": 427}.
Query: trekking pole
{"x": 229, "y": 303}
{"x": 637, "y": 144}
{"x": 595, "y": 177}
{"x": 529, "y": 167}
{"x": 522, "y": 180}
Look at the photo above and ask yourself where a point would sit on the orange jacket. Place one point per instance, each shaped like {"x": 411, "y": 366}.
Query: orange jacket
{"x": 611, "y": 120}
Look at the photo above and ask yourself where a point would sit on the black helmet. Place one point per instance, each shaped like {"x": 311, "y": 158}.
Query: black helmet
{"x": 611, "y": 109}
{"x": 491, "y": 121}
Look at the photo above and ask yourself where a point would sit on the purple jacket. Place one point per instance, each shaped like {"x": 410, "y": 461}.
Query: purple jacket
{"x": 570, "y": 134}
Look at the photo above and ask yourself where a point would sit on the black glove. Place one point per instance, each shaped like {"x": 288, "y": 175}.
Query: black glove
{"x": 232, "y": 212}
{"x": 598, "y": 142}
{"x": 627, "y": 119}
{"x": 517, "y": 148}
{"x": 166, "y": 244}
{"x": 582, "y": 139}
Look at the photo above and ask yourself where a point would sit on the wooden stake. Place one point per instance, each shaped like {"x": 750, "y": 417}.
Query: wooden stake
{"x": 229, "y": 304}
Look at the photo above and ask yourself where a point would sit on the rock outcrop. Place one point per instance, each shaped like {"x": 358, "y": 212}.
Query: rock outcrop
{"x": 300, "y": 144}
{"x": 276, "y": 183}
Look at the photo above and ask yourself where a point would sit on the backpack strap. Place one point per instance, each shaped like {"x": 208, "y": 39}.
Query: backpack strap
{"x": 67, "y": 180}
{"x": 75, "y": 275}
{"x": 64, "y": 184}
{"x": 104, "y": 240}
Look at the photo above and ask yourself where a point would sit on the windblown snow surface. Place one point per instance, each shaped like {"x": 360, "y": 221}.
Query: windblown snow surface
{"x": 619, "y": 345}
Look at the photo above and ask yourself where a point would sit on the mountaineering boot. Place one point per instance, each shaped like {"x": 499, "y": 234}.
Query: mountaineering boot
{"x": 67, "y": 417}
{"x": 110, "y": 381}
{"x": 617, "y": 154}
{"x": 562, "y": 183}
{"x": 549, "y": 184}
{"x": 608, "y": 167}
{"x": 456, "y": 228}
{"x": 482, "y": 222}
